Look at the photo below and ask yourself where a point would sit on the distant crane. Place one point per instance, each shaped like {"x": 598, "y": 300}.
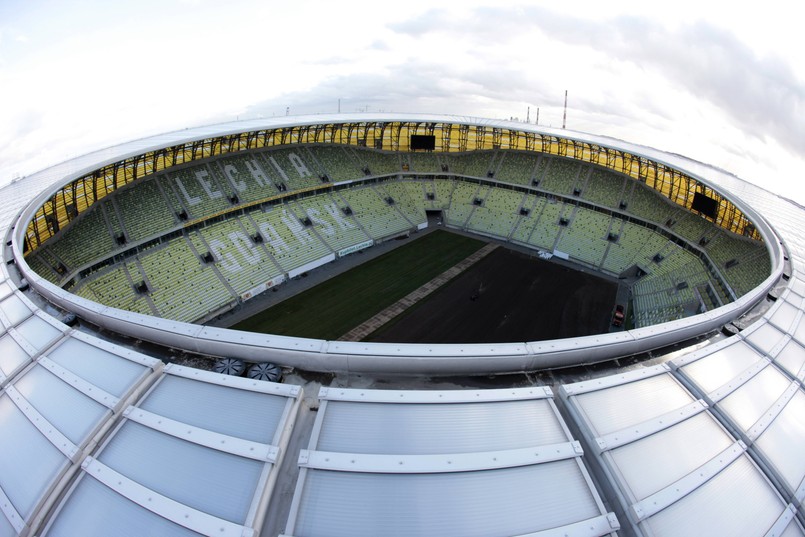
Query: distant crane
{"x": 564, "y": 117}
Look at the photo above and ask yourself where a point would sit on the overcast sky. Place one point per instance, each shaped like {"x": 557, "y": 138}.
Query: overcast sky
{"x": 715, "y": 81}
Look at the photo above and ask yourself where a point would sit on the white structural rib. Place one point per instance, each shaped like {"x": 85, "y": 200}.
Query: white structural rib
{"x": 438, "y": 464}
{"x": 163, "y": 506}
{"x": 204, "y": 437}
{"x": 11, "y": 514}
{"x": 783, "y": 522}
{"x": 423, "y": 396}
{"x": 593, "y": 527}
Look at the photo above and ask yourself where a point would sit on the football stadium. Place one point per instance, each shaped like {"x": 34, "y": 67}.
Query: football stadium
{"x": 395, "y": 324}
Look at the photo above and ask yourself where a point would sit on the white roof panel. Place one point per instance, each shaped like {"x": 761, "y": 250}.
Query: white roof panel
{"x": 208, "y": 480}
{"x": 783, "y": 441}
{"x": 737, "y": 501}
{"x": 784, "y": 315}
{"x": 654, "y": 462}
{"x": 12, "y": 357}
{"x": 108, "y": 371}
{"x": 15, "y": 309}
{"x": 612, "y": 409}
{"x": 38, "y": 333}
{"x": 96, "y": 510}
{"x": 245, "y": 414}
{"x": 73, "y": 413}
{"x": 765, "y": 337}
{"x": 5, "y": 289}
{"x": 747, "y": 404}
{"x": 717, "y": 369}
{"x": 29, "y": 463}
{"x": 792, "y": 359}
{"x": 438, "y": 428}
{"x": 509, "y": 501}
{"x": 6, "y": 529}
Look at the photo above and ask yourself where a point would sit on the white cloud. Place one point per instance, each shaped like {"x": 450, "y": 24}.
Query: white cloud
{"x": 694, "y": 81}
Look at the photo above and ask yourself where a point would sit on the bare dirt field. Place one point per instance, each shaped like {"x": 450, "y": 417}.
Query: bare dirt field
{"x": 508, "y": 296}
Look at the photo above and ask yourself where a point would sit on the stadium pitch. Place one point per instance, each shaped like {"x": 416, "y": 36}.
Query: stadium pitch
{"x": 508, "y": 296}
{"x": 336, "y": 306}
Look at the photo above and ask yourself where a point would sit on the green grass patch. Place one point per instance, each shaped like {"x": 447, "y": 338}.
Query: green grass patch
{"x": 333, "y": 308}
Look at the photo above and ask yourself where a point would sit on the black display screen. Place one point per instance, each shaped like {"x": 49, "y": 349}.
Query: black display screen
{"x": 423, "y": 141}
{"x": 705, "y": 205}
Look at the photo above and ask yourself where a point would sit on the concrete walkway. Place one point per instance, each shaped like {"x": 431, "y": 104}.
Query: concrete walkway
{"x": 369, "y": 326}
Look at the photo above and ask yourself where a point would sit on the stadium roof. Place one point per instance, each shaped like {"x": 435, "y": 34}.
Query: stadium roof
{"x": 100, "y": 438}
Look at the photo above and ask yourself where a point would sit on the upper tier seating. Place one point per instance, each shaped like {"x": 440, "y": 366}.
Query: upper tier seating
{"x": 474, "y": 164}
{"x": 144, "y": 210}
{"x": 87, "y": 239}
{"x": 424, "y": 163}
{"x": 560, "y": 176}
{"x": 293, "y": 167}
{"x": 517, "y": 168}
{"x": 198, "y": 191}
{"x": 337, "y": 163}
{"x": 604, "y": 187}
{"x": 378, "y": 163}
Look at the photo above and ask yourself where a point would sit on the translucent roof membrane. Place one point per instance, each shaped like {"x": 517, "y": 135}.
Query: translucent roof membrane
{"x": 737, "y": 501}
{"x": 29, "y": 463}
{"x": 678, "y": 469}
{"x": 15, "y": 310}
{"x": 783, "y": 439}
{"x": 204, "y": 479}
{"x": 723, "y": 370}
{"x": 111, "y": 372}
{"x": 438, "y": 428}
{"x": 798, "y": 331}
{"x": 784, "y": 314}
{"x": 227, "y": 410}
{"x": 791, "y": 358}
{"x": 38, "y": 332}
{"x": 508, "y": 501}
{"x": 13, "y": 357}
{"x": 440, "y": 463}
{"x": 187, "y": 454}
{"x": 764, "y": 404}
{"x": 73, "y": 413}
{"x": 5, "y": 289}
{"x": 47, "y": 416}
{"x": 609, "y": 410}
{"x": 764, "y": 337}
{"x": 95, "y": 509}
